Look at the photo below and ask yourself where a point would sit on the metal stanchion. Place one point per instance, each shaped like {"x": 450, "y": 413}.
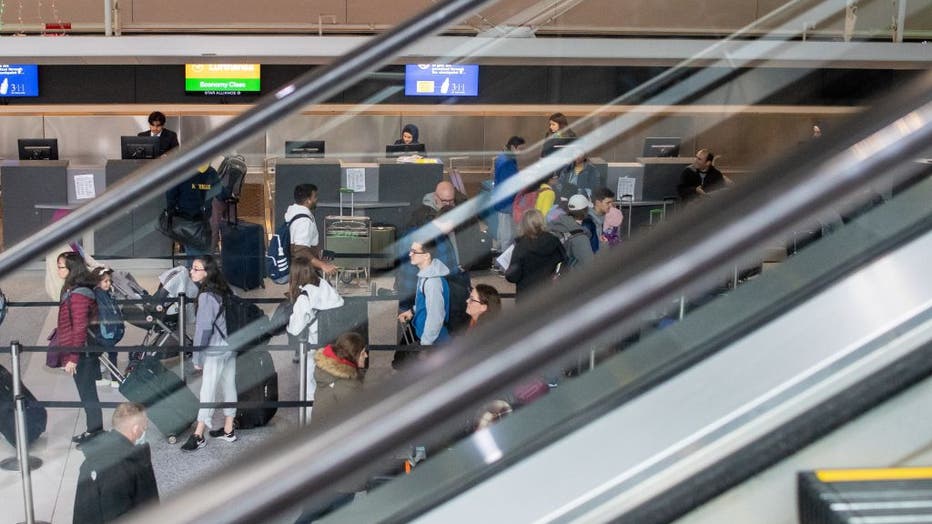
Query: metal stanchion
{"x": 682, "y": 306}
{"x": 734, "y": 281}
{"x": 182, "y": 304}
{"x": 12, "y": 463}
{"x": 22, "y": 446}
{"x": 302, "y": 382}
{"x": 591, "y": 359}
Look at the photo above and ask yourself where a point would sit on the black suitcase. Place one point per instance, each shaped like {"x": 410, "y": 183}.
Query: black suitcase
{"x": 475, "y": 248}
{"x": 256, "y": 381}
{"x": 242, "y": 254}
{"x": 171, "y": 406}
{"x": 36, "y": 416}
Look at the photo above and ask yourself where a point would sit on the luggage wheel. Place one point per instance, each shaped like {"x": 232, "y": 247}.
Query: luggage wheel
{"x": 172, "y": 439}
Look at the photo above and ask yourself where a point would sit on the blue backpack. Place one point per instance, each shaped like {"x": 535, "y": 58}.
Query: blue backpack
{"x": 110, "y": 327}
{"x": 278, "y": 255}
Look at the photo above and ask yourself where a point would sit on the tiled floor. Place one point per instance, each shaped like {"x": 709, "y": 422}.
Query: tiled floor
{"x": 54, "y": 483}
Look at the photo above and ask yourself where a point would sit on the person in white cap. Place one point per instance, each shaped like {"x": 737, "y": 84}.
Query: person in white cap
{"x": 571, "y": 232}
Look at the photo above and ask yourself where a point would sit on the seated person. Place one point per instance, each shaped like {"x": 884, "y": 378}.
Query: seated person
{"x": 168, "y": 139}
{"x": 701, "y": 177}
{"x": 409, "y": 135}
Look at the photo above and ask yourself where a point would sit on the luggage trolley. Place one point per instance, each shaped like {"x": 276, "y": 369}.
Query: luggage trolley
{"x": 349, "y": 234}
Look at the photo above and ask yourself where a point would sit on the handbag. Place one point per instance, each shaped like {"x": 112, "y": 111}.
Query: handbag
{"x": 53, "y": 358}
{"x": 194, "y": 232}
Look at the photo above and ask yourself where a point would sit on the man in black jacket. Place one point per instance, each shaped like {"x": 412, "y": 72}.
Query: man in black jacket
{"x": 116, "y": 476}
{"x": 701, "y": 178}
{"x": 168, "y": 139}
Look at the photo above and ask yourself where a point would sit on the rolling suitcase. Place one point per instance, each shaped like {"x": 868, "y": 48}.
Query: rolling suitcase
{"x": 242, "y": 254}
{"x": 256, "y": 381}
{"x": 36, "y": 416}
{"x": 383, "y": 237}
{"x": 171, "y": 406}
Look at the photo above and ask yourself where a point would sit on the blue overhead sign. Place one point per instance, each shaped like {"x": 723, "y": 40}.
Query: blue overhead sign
{"x": 441, "y": 80}
{"x": 19, "y": 80}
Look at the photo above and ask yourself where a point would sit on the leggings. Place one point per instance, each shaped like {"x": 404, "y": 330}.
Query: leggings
{"x": 84, "y": 379}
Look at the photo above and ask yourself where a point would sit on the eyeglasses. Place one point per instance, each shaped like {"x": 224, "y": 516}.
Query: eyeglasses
{"x": 197, "y": 269}
{"x": 62, "y": 267}
{"x": 476, "y": 300}
{"x": 413, "y": 252}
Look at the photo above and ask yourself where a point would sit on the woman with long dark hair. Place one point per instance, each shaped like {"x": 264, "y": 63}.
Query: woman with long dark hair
{"x": 483, "y": 304}
{"x": 309, "y": 294}
{"x": 77, "y": 309}
{"x": 210, "y": 330}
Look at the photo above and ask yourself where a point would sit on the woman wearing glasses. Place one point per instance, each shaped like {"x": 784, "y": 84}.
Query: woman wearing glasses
{"x": 483, "y": 303}
{"x": 76, "y": 310}
{"x": 210, "y": 330}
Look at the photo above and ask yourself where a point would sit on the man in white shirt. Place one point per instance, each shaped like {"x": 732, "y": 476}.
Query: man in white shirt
{"x": 305, "y": 238}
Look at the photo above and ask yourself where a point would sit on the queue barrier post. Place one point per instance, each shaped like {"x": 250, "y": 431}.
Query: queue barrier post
{"x": 302, "y": 381}
{"x": 182, "y": 328}
{"x": 24, "y": 462}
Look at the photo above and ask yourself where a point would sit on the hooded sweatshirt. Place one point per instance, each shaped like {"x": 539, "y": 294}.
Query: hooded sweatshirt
{"x": 304, "y": 231}
{"x": 311, "y": 300}
{"x": 577, "y": 245}
{"x": 432, "y": 303}
{"x": 115, "y": 478}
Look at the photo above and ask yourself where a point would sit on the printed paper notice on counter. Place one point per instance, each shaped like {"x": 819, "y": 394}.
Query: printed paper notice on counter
{"x": 84, "y": 187}
{"x": 625, "y": 187}
{"x": 356, "y": 179}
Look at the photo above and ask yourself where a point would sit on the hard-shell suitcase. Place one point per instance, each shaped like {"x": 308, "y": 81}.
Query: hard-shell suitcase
{"x": 242, "y": 254}
{"x": 256, "y": 381}
{"x": 383, "y": 237}
{"x": 36, "y": 416}
{"x": 171, "y": 406}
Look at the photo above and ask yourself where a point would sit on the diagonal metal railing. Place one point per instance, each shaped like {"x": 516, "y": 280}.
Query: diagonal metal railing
{"x": 598, "y": 303}
{"x": 312, "y": 87}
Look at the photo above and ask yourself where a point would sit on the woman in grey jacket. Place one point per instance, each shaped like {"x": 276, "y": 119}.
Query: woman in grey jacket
{"x": 210, "y": 328}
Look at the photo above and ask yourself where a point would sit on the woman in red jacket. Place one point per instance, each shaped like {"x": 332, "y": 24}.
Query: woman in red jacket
{"x": 76, "y": 310}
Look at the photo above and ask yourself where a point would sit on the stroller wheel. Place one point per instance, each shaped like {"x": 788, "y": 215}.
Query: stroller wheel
{"x": 172, "y": 439}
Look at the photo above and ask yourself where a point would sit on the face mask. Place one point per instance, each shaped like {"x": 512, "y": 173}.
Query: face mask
{"x": 141, "y": 440}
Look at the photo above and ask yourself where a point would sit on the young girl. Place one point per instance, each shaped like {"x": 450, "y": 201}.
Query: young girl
{"x": 110, "y": 320}
{"x": 309, "y": 294}
{"x": 76, "y": 310}
{"x": 210, "y": 329}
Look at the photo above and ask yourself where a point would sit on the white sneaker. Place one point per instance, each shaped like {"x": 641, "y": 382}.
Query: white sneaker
{"x": 104, "y": 382}
{"x": 114, "y": 384}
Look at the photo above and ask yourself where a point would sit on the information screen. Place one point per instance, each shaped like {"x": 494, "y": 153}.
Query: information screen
{"x": 441, "y": 80}
{"x": 221, "y": 79}
{"x": 19, "y": 80}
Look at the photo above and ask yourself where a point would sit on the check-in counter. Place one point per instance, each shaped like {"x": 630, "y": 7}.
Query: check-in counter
{"x": 386, "y": 191}
{"x": 133, "y": 233}
{"x": 25, "y": 184}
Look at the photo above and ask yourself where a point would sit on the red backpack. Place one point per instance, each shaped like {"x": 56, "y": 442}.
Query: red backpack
{"x": 525, "y": 200}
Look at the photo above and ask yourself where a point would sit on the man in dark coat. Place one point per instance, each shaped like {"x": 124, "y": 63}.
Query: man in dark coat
{"x": 116, "y": 476}
{"x": 168, "y": 139}
{"x": 701, "y": 178}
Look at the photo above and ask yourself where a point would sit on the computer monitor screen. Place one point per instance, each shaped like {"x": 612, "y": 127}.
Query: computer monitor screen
{"x": 222, "y": 79}
{"x": 551, "y": 145}
{"x": 38, "y": 148}
{"x": 139, "y": 147}
{"x": 403, "y": 149}
{"x": 304, "y": 149}
{"x": 19, "y": 80}
{"x": 657, "y": 146}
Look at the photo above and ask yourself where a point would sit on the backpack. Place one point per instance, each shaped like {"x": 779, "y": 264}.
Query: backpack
{"x": 278, "y": 254}
{"x": 232, "y": 173}
{"x": 110, "y": 328}
{"x": 241, "y": 314}
{"x": 524, "y": 201}
{"x": 569, "y": 260}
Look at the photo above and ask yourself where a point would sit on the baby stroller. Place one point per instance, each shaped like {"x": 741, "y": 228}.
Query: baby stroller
{"x": 157, "y": 313}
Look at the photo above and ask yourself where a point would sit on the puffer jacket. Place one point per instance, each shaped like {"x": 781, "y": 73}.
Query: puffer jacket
{"x": 338, "y": 382}
{"x": 76, "y": 311}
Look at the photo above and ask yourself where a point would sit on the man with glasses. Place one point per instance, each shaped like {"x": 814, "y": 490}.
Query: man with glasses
{"x": 431, "y": 309}
{"x": 701, "y": 178}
